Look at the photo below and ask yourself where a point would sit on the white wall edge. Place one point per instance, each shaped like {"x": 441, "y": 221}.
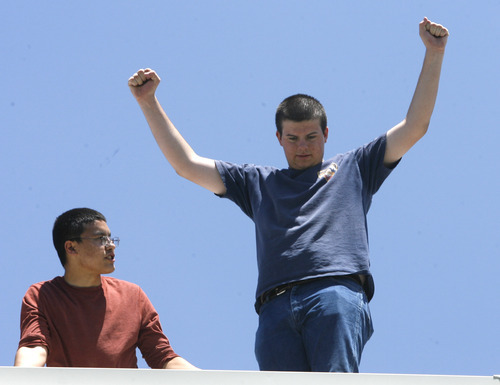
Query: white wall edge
{"x": 97, "y": 376}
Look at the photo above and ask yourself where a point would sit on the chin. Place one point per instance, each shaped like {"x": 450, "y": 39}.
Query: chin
{"x": 302, "y": 166}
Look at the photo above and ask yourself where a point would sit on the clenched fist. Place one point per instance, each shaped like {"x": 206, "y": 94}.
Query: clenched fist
{"x": 143, "y": 83}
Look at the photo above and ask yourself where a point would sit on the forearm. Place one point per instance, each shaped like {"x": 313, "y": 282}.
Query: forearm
{"x": 424, "y": 99}
{"x": 31, "y": 356}
{"x": 179, "y": 363}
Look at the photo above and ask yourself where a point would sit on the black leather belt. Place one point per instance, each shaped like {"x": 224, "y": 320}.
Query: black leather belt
{"x": 278, "y": 290}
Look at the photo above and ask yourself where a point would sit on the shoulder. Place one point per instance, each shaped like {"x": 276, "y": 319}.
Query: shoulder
{"x": 124, "y": 294}
{"x": 120, "y": 286}
{"x": 376, "y": 145}
{"x": 245, "y": 167}
{"x": 245, "y": 174}
{"x": 52, "y": 283}
{"x": 369, "y": 150}
{"x": 44, "y": 292}
{"x": 116, "y": 282}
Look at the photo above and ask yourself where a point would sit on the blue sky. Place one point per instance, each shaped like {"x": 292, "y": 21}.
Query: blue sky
{"x": 73, "y": 136}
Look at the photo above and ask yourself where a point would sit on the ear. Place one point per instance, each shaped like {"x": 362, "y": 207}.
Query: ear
{"x": 278, "y": 135}
{"x": 325, "y": 134}
{"x": 68, "y": 247}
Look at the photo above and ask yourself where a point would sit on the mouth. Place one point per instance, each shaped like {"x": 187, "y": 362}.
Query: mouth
{"x": 110, "y": 258}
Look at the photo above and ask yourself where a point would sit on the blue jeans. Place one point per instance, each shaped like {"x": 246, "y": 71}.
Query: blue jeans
{"x": 319, "y": 326}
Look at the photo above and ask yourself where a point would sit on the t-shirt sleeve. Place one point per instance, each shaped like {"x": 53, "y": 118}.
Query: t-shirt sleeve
{"x": 236, "y": 178}
{"x": 370, "y": 159}
{"x": 34, "y": 326}
{"x": 153, "y": 343}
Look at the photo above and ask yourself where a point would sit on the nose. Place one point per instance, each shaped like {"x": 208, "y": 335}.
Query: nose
{"x": 110, "y": 242}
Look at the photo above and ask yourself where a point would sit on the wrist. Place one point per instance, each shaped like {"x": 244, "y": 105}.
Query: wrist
{"x": 433, "y": 54}
{"x": 148, "y": 101}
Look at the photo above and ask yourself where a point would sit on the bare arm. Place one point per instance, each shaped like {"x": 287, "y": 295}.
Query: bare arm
{"x": 404, "y": 135}
{"x": 31, "y": 356}
{"x": 178, "y": 152}
{"x": 179, "y": 363}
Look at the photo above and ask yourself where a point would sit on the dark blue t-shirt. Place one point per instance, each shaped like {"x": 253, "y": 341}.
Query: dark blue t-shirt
{"x": 310, "y": 223}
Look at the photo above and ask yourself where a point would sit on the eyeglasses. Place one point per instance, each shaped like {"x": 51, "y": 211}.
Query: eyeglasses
{"x": 105, "y": 240}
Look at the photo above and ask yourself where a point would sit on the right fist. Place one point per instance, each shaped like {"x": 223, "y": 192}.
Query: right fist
{"x": 143, "y": 83}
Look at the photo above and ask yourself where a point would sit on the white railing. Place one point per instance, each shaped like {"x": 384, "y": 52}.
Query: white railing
{"x": 92, "y": 376}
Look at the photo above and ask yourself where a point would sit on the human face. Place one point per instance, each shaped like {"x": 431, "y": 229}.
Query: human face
{"x": 303, "y": 143}
{"x": 88, "y": 258}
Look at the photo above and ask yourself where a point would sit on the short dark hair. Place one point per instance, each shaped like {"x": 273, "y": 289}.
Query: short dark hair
{"x": 300, "y": 107}
{"x": 70, "y": 225}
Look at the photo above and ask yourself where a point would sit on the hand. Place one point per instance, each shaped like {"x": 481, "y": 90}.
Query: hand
{"x": 144, "y": 83}
{"x": 434, "y": 36}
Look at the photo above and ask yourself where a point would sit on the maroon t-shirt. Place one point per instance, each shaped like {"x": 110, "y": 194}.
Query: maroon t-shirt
{"x": 93, "y": 327}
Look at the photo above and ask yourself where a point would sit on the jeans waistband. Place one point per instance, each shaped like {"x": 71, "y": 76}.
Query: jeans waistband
{"x": 278, "y": 290}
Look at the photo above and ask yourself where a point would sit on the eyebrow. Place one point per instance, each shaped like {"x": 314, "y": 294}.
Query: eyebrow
{"x": 314, "y": 133}
{"x": 100, "y": 232}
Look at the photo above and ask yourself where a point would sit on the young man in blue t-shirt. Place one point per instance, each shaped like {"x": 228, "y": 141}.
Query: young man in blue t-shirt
{"x": 314, "y": 280}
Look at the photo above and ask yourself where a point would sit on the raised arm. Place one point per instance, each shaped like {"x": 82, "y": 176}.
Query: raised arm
{"x": 404, "y": 135}
{"x": 178, "y": 152}
{"x": 31, "y": 356}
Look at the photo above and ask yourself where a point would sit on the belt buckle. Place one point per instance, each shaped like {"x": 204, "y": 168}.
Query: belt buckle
{"x": 280, "y": 291}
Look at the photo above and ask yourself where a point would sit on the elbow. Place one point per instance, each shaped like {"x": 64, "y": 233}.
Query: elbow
{"x": 35, "y": 356}
{"x": 417, "y": 129}
{"x": 425, "y": 126}
{"x": 182, "y": 173}
{"x": 422, "y": 129}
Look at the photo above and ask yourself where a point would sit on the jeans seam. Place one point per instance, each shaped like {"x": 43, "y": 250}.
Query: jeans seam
{"x": 295, "y": 312}
{"x": 358, "y": 320}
